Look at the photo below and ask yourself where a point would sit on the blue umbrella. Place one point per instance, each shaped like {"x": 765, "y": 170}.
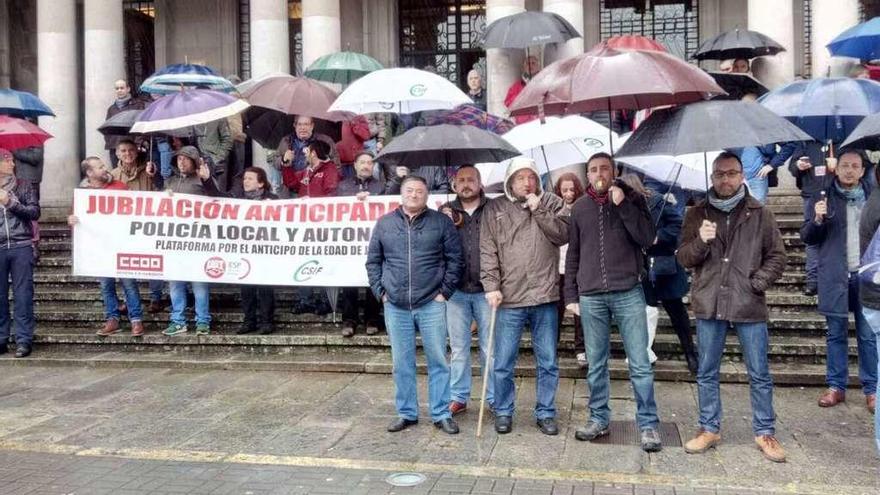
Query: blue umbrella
{"x": 861, "y": 41}
{"x": 187, "y": 108}
{"x": 173, "y": 77}
{"x": 22, "y": 104}
{"x": 827, "y": 109}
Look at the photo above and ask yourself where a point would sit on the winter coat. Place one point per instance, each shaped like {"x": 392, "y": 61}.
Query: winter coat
{"x": 605, "y": 245}
{"x": 869, "y": 293}
{"x": 733, "y": 271}
{"x": 299, "y": 161}
{"x": 668, "y": 221}
{"x": 192, "y": 184}
{"x": 22, "y": 209}
{"x": 138, "y": 181}
{"x": 469, "y": 230}
{"x": 519, "y": 248}
{"x": 512, "y": 92}
{"x": 480, "y": 99}
{"x": 29, "y": 164}
{"x": 413, "y": 260}
{"x": 318, "y": 183}
{"x": 436, "y": 177}
{"x": 215, "y": 140}
{"x": 830, "y": 237}
{"x": 351, "y": 186}
{"x": 806, "y": 180}
{"x": 354, "y": 133}
{"x": 133, "y": 103}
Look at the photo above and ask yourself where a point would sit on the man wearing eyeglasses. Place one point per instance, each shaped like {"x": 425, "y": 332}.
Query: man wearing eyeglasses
{"x": 734, "y": 248}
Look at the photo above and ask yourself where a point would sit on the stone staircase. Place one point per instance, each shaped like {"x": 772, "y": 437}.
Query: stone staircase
{"x": 69, "y": 311}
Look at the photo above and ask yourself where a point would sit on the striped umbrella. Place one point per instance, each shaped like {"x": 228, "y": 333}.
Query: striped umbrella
{"x": 22, "y": 104}
{"x": 187, "y": 108}
{"x": 18, "y": 133}
{"x": 173, "y": 77}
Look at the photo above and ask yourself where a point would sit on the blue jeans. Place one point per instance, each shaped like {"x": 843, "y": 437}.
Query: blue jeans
{"x": 202, "y": 293}
{"x": 461, "y": 309}
{"x": 759, "y": 188}
{"x": 132, "y": 298}
{"x": 543, "y": 322}
{"x": 156, "y": 287}
{"x": 754, "y": 342}
{"x": 17, "y": 264}
{"x": 837, "y": 338}
{"x": 627, "y": 308}
{"x": 401, "y": 323}
{"x": 872, "y": 317}
{"x": 165, "y": 155}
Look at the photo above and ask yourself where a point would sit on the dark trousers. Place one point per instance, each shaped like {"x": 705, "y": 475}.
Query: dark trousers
{"x": 17, "y": 264}
{"x": 560, "y": 311}
{"x": 681, "y": 322}
{"x": 351, "y": 307}
{"x": 258, "y": 305}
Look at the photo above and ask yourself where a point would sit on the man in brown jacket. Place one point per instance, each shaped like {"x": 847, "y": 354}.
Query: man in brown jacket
{"x": 520, "y": 236}
{"x": 735, "y": 250}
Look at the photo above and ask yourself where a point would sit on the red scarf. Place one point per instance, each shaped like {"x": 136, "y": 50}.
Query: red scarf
{"x": 599, "y": 199}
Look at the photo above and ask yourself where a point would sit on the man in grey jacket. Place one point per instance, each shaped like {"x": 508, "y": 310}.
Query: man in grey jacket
{"x": 520, "y": 236}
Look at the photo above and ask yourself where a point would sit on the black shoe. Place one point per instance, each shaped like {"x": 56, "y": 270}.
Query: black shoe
{"x": 266, "y": 328}
{"x": 692, "y": 363}
{"x": 503, "y": 424}
{"x": 810, "y": 290}
{"x": 548, "y": 426}
{"x": 22, "y": 351}
{"x": 4, "y": 348}
{"x": 590, "y": 432}
{"x": 400, "y": 424}
{"x": 447, "y": 425}
{"x": 246, "y": 328}
{"x": 301, "y": 309}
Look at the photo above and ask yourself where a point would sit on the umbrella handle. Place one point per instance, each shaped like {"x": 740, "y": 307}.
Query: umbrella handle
{"x": 486, "y": 367}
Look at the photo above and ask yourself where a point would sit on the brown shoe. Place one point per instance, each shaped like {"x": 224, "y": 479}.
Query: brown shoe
{"x": 771, "y": 448}
{"x": 832, "y": 397}
{"x": 137, "y": 328}
{"x": 456, "y": 407}
{"x": 111, "y": 327}
{"x": 704, "y": 441}
{"x": 871, "y": 401}
{"x": 155, "y": 307}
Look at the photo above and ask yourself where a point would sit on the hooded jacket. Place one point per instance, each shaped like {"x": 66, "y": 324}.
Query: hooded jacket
{"x": 519, "y": 248}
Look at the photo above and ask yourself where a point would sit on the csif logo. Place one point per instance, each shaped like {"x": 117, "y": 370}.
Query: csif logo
{"x": 418, "y": 89}
{"x": 307, "y": 271}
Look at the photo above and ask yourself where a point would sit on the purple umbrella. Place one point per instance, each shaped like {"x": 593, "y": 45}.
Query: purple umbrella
{"x": 470, "y": 114}
{"x": 186, "y": 108}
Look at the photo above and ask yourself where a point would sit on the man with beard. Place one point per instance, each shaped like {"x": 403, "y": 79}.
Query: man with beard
{"x": 290, "y": 157}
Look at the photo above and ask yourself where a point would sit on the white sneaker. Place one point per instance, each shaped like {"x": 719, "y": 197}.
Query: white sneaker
{"x": 582, "y": 359}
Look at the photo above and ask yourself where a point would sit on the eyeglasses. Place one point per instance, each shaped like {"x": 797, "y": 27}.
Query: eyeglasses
{"x": 730, "y": 174}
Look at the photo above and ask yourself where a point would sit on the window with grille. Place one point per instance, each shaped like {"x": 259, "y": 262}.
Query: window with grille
{"x": 675, "y": 25}
{"x": 445, "y": 35}
{"x": 808, "y": 38}
{"x": 139, "y": 41}
{"x": 294, "y": 19}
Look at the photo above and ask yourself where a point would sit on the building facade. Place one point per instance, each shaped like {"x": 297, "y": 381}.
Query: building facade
{"x": 71, "y": 51}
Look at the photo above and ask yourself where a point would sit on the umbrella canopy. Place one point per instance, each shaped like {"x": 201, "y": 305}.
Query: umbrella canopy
{"x": 610, "y": 79}
{"x": 249, "y": 83}
{"x": 633, "y": 42}
{"x": 470, "y": 114}
{"x": 709, "y": 126}
{"x": 120, "y": 124}
{"x": 739, "y": 43}
{"x": 687, "y": 171}
{"x": 446, "y": 145}
{"x": 22, "y": 104}
{"x": 187, "y": 108}
{"x": 400, "y": 90}
{"x": 866, "y": 134}
{"x": 528, "y": 29}
{"x": 861, "y": 41}
{"x": 172, "y": 77}
{"x": 342, "y": 67}
{"x": 827, "y": 108}
{"x": 294, "y": 96}
{"x": 19, "y": 133}
{"x": 738, "y": 85}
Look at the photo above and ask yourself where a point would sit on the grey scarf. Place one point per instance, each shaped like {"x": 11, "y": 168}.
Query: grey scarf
{"x": 121, "y": 102}
{"x": 727, "y": 205}
{"x": 255, "y": 194}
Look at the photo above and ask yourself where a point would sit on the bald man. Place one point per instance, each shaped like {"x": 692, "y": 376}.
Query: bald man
{"x": 124, "y": 101}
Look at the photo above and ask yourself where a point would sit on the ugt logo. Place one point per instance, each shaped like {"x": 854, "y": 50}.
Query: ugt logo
{"x": 307, "y": 271}
{"x": 215, "y": 267}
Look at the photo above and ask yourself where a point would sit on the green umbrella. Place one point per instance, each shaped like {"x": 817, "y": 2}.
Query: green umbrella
{"x": 342, "y": 67}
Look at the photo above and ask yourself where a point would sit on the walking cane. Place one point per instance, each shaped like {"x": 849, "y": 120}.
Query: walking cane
{"x": 486, "y": 368}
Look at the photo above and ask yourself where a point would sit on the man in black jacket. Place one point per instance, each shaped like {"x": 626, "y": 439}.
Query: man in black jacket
{"x": 124, "y": 101}
{"x": 604, "y": 267}
{"x": 414, "y": 264}
{"x": 20, "y": 208}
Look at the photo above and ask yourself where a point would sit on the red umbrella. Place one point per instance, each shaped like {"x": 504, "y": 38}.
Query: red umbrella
{"x": 633, "y": 42}
{"x": 294, "y": 96}
{"x": 610, "y": 79}
{"x": 18, "y": 133}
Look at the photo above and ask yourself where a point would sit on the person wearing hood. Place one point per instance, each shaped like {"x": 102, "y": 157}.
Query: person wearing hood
{"x": 468, "y": 303}
{"x": 520, "y": 236}
{"x": 20, "y": 209}
{"x": 734, "y": 248}
{"x": 124, "y": 101}
{"x": 833, "y": 227}
{"x": 604, "y": 267}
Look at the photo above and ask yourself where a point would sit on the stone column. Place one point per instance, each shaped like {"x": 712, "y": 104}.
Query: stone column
{"x": 104, "y": 63}
{"x": 830, "y": 18}
{"x": 775, "y": 18}
{"x": 57, "y": 79}
{"x": 573, "y": 12}
{"x": 321, "y": 29}
{"x": 503, "y": 65}
{"x": 5, "y": 61}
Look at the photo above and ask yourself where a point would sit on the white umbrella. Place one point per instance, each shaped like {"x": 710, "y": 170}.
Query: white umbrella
{"x": 553, "y": 144}
{"x": 687, "y": 171}
{"x": 400, "y": 90}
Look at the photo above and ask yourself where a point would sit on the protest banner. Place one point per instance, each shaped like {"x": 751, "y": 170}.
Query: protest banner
{"x": 155, "y": 235}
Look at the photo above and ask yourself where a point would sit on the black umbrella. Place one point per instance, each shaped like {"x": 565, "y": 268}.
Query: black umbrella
{"x": 528, "y": 29}
{"x": 739, "y": 43}
{"x": 120, "y": 124}
{"x": 738, "y": 85}
{"x": 267, "y": 127}
{"x": 446, "y": 145}
{"x": 709, "y": 126}
{"x": 866, "y": 134}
